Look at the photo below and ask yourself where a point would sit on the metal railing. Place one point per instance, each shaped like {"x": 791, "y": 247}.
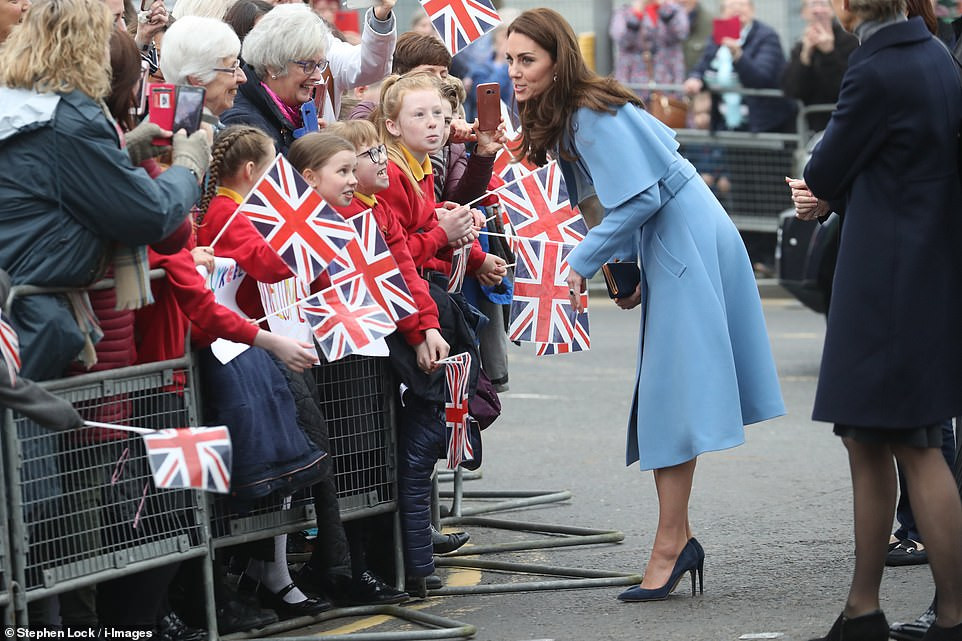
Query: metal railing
{"x": 746, "y": 170}
{"x": 83, "y": 507}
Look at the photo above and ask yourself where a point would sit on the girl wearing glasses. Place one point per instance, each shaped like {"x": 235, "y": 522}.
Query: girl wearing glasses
{"x": 284, "y": 62}
{"x": 371, "y": 173}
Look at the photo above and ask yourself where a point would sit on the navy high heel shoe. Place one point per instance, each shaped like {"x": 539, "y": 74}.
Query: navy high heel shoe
{"x": 691, "y": 560}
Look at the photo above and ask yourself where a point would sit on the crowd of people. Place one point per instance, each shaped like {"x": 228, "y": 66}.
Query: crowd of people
{"x": 92, "y": 188}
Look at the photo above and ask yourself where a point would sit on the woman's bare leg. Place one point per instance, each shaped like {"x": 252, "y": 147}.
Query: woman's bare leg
{"x": 673, "y": 485}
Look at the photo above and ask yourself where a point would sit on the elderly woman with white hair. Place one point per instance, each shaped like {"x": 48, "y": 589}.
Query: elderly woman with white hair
{"x": 204, "y": 52}
{"x": 291, "y": 52}
{"x": 892, "y": 363}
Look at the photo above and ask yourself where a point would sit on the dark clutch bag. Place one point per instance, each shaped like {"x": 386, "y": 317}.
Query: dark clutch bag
{"x": 621, "y": 278}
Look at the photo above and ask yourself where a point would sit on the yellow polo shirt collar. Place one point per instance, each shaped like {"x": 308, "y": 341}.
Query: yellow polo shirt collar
{"x": 370, "y": 201}
{"x": 230, "y": 193}
{"x": 419, "y": 169}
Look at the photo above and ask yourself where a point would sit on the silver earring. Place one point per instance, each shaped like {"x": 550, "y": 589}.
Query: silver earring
{"x": 555, "y": 79}
{"x": 273, "y": 77}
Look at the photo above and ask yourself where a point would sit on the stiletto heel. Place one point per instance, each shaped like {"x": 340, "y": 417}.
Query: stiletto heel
{"x": 700, "y": 552}
{"x": 691, "y": 559}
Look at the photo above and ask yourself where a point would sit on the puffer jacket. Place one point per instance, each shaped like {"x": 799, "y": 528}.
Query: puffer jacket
{"x": 68, "y": 190}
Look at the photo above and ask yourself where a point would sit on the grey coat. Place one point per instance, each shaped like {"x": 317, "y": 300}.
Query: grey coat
{"x": 68, "y": 190}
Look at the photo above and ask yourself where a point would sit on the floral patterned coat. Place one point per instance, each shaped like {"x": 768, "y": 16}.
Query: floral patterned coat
{"x": 662, "y": 39}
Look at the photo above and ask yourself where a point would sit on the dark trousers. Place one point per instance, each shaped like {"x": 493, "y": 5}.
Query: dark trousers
{"x": 903, "y": 510}
{"x": 421, "y": 433}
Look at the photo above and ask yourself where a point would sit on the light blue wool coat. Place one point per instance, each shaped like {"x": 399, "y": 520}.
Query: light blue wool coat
{"x": 705, "y": 367}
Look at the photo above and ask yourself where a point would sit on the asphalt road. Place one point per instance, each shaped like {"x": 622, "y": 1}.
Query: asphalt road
{"x": 774, "y": 515}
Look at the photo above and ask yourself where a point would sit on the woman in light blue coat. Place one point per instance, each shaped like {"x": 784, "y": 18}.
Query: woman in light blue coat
{"x": 705, "y": 368}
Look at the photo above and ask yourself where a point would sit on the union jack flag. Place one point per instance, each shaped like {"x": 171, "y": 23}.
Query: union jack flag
{"x": 10, "y": 349}
{"x": 547, "y": 349}
{"x": 345, "y": 318}
{"x": 457, "y": 370}
{"x": 505, "y": 166}
{"x": 538, "y": 207}
{"x": 369, "y": 255}
{"x": 461, "y": 22}
{"x": 303, "y": 229}
{"x": 459, "y": 265}
{"x": 197, "y": 457}
{"x": 541, "y": 311}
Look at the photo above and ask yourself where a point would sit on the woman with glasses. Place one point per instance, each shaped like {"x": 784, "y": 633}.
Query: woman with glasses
{"x": 284, "y": 62}
{"x": 204, "y": 52}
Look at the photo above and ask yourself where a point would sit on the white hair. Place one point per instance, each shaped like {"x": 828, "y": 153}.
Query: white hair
{"x": 203, "y": 8}
{"x": 193, "y": 46}
{"x": 287, "y": 32}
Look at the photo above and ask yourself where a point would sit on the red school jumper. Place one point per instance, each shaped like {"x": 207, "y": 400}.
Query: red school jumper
{"x": 244, "y": 244}
{"x": 427, "y": 241}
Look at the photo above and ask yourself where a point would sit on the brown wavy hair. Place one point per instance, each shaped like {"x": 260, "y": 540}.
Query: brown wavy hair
{"x": 546, "y": 119}
{"x": 60, "y": 47}
{"x": 923, "y": 8}
{"x": 125, "y": 74}
{"x": 234, "y": 146}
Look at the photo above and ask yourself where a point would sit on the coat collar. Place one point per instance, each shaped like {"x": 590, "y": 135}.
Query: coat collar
{"x": 900, "y": 33}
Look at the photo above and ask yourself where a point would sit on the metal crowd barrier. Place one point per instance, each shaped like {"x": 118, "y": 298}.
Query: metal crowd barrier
{"x": 83, "y": 506}
{"x": 745, "y": 170}
{"x": 6, "y": 578}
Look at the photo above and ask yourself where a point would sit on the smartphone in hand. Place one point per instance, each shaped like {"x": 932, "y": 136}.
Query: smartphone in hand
{"x": 489, "y": 106}
{"x": 189, "y": 109}
{"x": 163, "y": 100}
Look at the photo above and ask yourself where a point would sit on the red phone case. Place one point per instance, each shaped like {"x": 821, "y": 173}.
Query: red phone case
{"x": 163, "y": 102}
{"x": 727, "y": 28}
{"x": 489, "y": 106}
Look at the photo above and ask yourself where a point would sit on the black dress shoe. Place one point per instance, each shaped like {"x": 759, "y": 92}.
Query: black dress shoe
{"x": 868, "y": 627}
{"x": 367, "y": 589}
{"x": 275, "y": 601}
{"x": 173, "y": 628}
{"x": 236, "y": 615}
{"x": 444, "y": 543}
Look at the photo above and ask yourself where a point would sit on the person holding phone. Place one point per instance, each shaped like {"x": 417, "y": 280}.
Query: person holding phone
{"x": 705, "y": 367}
{"x": 291, "y": 55}
{"x": 756, "y": 58}
{"x": 204, "y": 53}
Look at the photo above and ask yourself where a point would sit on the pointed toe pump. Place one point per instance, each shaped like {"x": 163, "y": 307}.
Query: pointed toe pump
{"x": 691, "y": 560}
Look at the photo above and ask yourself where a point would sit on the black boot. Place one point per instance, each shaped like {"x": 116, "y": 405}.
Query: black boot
{"x": 868, "y": 627}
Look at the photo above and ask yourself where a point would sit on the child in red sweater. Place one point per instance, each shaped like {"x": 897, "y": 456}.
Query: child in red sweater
{"x": 412, "y": 124}
{"x": 237, "y": 165}
{"x": 309, "y": 155}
